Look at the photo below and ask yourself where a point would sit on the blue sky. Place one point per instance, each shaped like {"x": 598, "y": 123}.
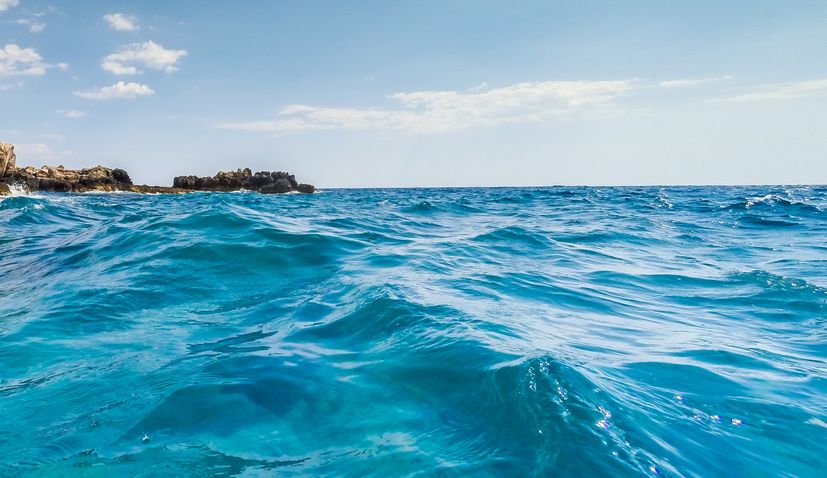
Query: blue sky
{"x": 422, "y": 93}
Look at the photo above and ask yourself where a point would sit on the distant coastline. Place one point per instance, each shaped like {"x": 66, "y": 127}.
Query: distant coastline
{"x": 100, "y": 178}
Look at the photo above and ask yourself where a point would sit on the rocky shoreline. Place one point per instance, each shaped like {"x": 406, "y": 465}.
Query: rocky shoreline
{"x": 100, "y": 178}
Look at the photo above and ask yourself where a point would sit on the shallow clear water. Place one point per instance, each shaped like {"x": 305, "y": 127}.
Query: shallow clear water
{"x": 449, "y": 332}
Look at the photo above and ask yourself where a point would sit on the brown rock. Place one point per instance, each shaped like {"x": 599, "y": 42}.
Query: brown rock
{"x": 60, "y": 179}
{"x": 7, "y": 159}
{"x": 143, "y": 188}
{"x": 100, "y": 178}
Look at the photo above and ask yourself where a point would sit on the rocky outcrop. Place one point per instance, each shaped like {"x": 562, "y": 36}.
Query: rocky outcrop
{"x": 266, "y": 182}
{"x": 7, "y": 159}
{"x": 60, "y": 179}
{"x": 99, "y": 178}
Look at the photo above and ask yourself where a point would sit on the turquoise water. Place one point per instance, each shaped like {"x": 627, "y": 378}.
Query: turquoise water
{"x": 433, "y": 332}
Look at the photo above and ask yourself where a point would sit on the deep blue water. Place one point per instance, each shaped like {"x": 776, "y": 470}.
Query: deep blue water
{"x": 432, "y": 332}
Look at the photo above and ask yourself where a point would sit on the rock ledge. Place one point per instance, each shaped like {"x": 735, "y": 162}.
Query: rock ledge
{"x": 100, "y": 178}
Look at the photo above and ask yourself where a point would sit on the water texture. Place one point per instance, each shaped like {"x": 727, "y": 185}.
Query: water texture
{"x": 421, "y": 332}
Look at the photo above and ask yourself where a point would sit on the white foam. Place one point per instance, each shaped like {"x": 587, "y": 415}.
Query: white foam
{"x": 768, "y": 198}
{"x": 92, "y": 191}
{"x": 18, "y": 189}
{"x": 817, "y": 422}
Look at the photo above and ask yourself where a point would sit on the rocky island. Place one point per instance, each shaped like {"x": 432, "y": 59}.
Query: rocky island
{"x": 99, "y": 178}
{"x": 263, "y": 181}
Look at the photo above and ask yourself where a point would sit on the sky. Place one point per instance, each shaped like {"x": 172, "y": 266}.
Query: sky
{"x": 422, "y": 93}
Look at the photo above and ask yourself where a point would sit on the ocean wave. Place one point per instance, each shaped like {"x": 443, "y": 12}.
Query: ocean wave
{"x": 510, "y": 236}
{"x": 559, "y": 331}
{"x": 776, "y": 202}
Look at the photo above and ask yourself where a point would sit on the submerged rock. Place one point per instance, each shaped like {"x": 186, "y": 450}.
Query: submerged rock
{"x": 275, "y": 182}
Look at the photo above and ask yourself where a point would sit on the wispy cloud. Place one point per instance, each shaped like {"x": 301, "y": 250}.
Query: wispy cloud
{"x": 121, "y": 22}
{"x": 73, "y": 114}
{"x": 479, "y": 88}
{"x": 34, "y": 26}
{"x": 6, "y": 4}
{"x": 148, "y": 54}
{"x": 29, "y": 152}
{"x": 688, "y": 83}
{"x": 781, "y": 91}
{"x": 10, "y": 86}
{"x": 36, "y": 152}
{"x": 119, "y": 90}
{"x": 443, "y": 111}
{"x": 16, "y": 61}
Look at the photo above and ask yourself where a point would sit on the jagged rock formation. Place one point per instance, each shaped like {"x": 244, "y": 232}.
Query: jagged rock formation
{"x": 60, "y": 179}
{"x": 263, "y": 181}
{"x": 99, "y": 178}
{"x": 7, "y": 159}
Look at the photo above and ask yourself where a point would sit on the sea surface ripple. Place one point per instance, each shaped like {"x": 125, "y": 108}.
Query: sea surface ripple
{"x": 560, "y": 331}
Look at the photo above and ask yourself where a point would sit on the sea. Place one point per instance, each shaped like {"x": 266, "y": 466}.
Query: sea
{"x": 556, "y": 331}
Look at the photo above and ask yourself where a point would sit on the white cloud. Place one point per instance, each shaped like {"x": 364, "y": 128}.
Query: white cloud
{"x": 10, "y": 86}
{"x": 481, "y": 87}
{"x": 6, "y": 4}
{"x": 148, "y": 54}
{"x": 782, "y": 91}
{"x": 119, "y": 69}
{"x": 16, "y": 61}
{"x": 32, "y": 153}
{"x": 442, "y": 111}
{"x": 119, "y": 90}
{"x": 73, "y": 114}
{"x": 34, "y": 26}
{"x": 52, "y": 136}
{"x": 121, "y": 22}
{"x": 688, "y": 83}
{"x": 35, "y": 151}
